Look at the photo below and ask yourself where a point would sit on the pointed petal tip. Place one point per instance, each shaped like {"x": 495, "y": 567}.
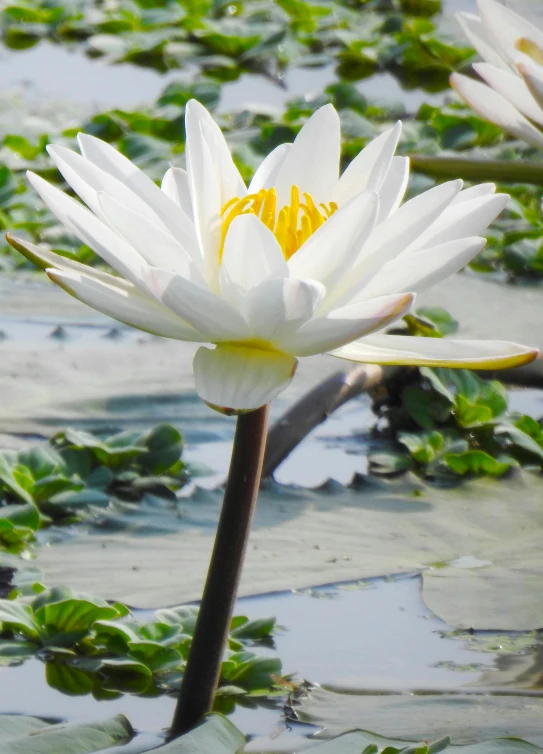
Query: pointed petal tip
{"x": 516, "y": 360}
{"x": 27, "y": 250}
{"x": 61, "y": 279}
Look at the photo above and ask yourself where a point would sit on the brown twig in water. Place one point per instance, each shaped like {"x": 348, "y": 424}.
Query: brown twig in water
{"x": 316, "y": 406}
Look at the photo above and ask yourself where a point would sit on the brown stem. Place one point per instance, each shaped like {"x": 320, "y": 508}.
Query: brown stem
{"x": 203, "y": 666}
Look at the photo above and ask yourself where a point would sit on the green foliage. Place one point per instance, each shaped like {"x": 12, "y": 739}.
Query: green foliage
{"x": 226, "y": 40}
{"x": 91, "y": 646}
{"x": 77, "y": 471}
{"x": 446, "y": 423}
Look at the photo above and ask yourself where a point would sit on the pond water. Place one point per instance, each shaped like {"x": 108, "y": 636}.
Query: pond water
{"x": 375, "y": 635}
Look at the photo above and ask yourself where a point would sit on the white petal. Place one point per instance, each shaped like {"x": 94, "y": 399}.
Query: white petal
{"x": 267, "y": 171}
{"x": 475, "y": 31}
{"x": 408, "y": 223}
{"x": 206, "y": 194}
{"x": 461, "y": 220}
{"x": 312, "y": 163}
{"x": 533, "y": 76}
{"x": 369, "y": 168}
{"x": 335, "y": 245}
{"x": 175, "y": 184}
{"x": 394, "y": 186}
{"x": 92, "y": 231}
{"x": 505, "y": 28}
{"x": 108, "y": 159}
{"x": 206, "y": 312}
{"x": 474, "y": 192}
{"x": 437, "y": 352}
{"x": 389, "y": 239}
{"x": 513, "y": 88}
{"x": 124, "y": 304}
{"x": 234, "y": 379}
{"x": 228, "y": 176}
{"x": 213, "y": 180}
{"x": 251, "y": 255}
{"x": 346, "y": 324}
{"x": 48, "y": 260}
{"x": 276, "y": 308}
{"x": 495, "y": 108}
{"x": 155, "y": 245}
{"x": 87, "y": 179}
{"x": 422, "y": 269}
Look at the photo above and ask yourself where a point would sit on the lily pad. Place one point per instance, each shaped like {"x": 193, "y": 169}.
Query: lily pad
{"x": 301, "y": 538}
{"x": 28, "y": 735}
{"x": 466, "y": 597}
{"x": 468, "y": 718}
{"x": 215, "y": 734}
{"x": 363, "y": 742}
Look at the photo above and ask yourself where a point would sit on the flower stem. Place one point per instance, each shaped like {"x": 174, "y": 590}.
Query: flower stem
{"x": 203, "y": 666}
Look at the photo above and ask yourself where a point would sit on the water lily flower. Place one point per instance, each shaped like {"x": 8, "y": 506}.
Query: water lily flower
{"x": 512, "y": 51}
{"x": 302, "y": 262}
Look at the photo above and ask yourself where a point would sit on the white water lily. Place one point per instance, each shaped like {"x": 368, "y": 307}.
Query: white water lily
{"x": 512, "y": 51}
{"x": 301, "y": 262}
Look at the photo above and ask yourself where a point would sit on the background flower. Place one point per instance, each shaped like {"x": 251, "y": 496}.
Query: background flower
{"x": 512, "y": 50}
{"x": 303, "y": 261}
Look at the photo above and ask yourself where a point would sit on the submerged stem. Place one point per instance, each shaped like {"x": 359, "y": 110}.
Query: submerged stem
{"x": 203, "y": 666}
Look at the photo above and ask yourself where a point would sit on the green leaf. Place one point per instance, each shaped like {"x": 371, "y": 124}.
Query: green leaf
{"x": 478, "y": 462}
{"x": 26, "y": 515}
{"x": 424, "y": 408}
{"x": 15, "y": 651}
{"x": 469, "y": 414}
{"x": 41, "y": 461}
{"x": 165, "y": 446}
{"x": 215, "y": 735}
{"x": 17, "y": 617}
{"x": 69, "y": 738}
{"x": 10, "y": 481}
{"x": 423, "y": 446}
{"x": 80, "y": 499}
{"x": 255, "y": 673}
{"x": 126, "y": 631}
{"x": 522, "y": 439}
{"x": 124, "y": 675}
{"x": 155, "y": 656}
{"x": 68, "y": 679}
{"x": 440, "y": 318}
{"x": 251, "y": 629}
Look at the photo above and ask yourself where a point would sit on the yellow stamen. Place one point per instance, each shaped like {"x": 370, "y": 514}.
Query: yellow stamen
{"x": 294, "y": 207}
{"x": 292, "y": 225}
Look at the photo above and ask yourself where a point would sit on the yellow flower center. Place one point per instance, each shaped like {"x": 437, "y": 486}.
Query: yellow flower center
{"x": 292, "y": 225}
